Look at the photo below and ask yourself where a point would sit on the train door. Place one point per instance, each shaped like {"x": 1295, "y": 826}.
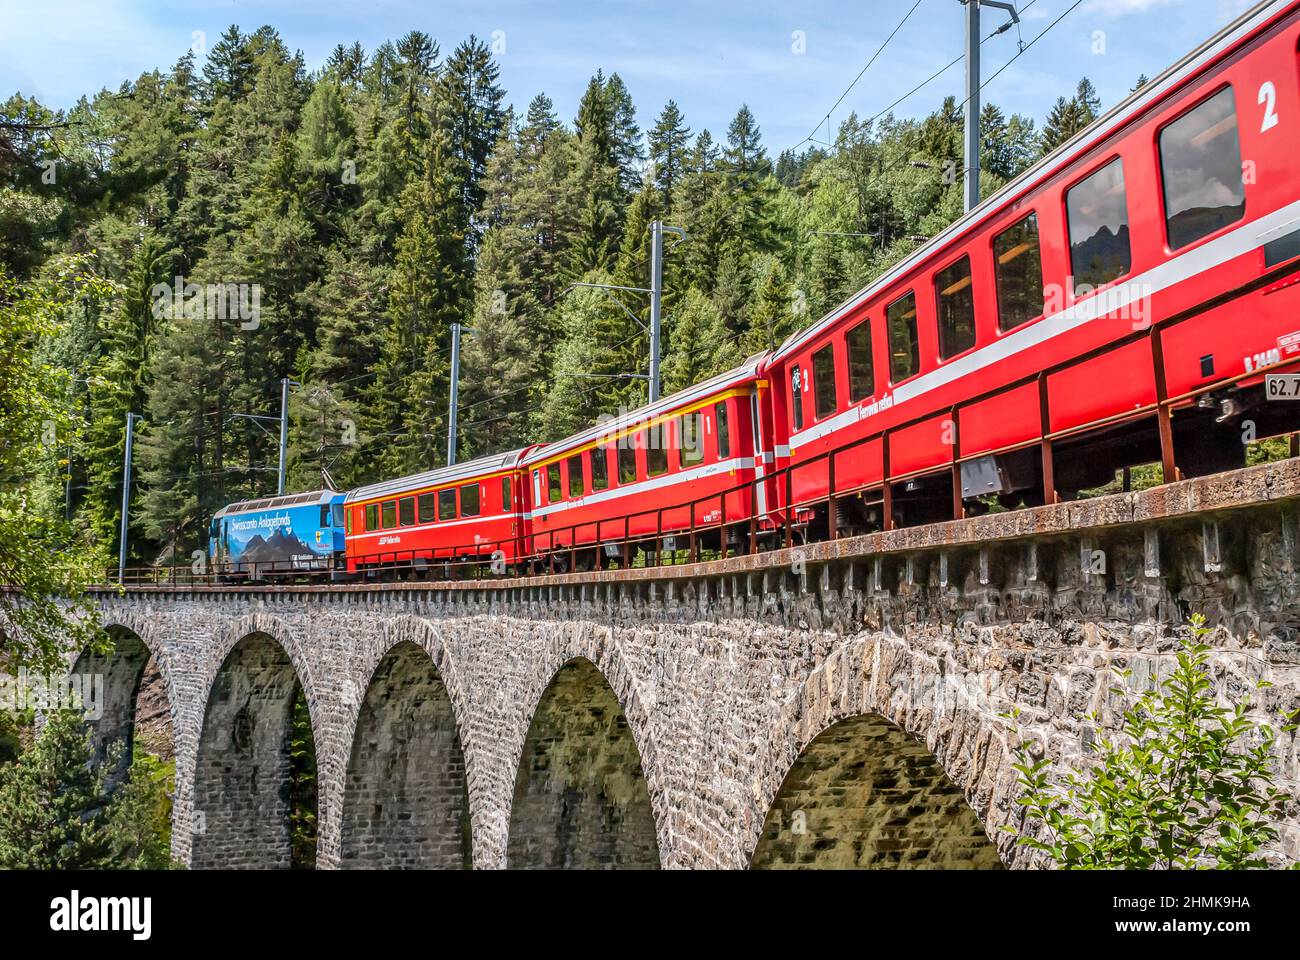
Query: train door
{"x": 760, "y": 454}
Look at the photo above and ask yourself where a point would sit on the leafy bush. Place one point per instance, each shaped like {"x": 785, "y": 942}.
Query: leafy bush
{"x": 1189, "y": 784}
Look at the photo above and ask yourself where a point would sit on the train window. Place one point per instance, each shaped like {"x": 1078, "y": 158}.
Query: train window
{"x": 325, "y": 515}
{"x": 576, "y": 486}
{"x": 656, "y": 450}
{"x": 388, "y": 514}
{"x": 1097, "y": 210}
{"x": 406, "y": 511}
{"x": 823, "y": 362}
{"x": 690, "y": 439}
{"x": 904, "y": 353}
{"x": 1018, "y": 268}
{"x": 338, "y": 514}
{"x": 1200, "y": 164}
{"x": 796, "y": 397}
{"x": 555, "y": 492}
{"x": 600, "y": 468}
{"x": 724, "y": 430}
{"x": 955, "y": 302}
{"x": 447, "y": 504}
{"x": 626, "y": 460}
{"x": 506, "y": 500}
{"x": 469, "y": 500}
{"x": 372, "y": 516}
{"x": 862, "y": 382}
{"x": 428, "y": 503}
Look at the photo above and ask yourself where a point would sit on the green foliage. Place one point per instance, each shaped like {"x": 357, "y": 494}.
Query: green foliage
{"x": 54, "y": 808}
{"x": 11, "y": 744}
{"x": 302, "y": 787}
{"x": 57, "y": 812}
{"x": 1188, "y": 784}
{"x": 1070, "y": 116}
{"x": 44, "y": 611}
{"x": 140, "y": 825}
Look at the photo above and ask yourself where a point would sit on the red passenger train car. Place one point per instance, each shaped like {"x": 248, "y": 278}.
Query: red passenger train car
{"x": 1119, "y": 303}
{"x": 468, "y": 511}
{"x": 683, "y": 463}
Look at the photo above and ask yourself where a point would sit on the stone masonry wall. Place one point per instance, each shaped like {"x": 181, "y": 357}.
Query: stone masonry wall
{"x": 724, "y": 678}
{"x": 405, "y": 801}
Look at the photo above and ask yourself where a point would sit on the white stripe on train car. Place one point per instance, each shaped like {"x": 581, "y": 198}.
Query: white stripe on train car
{"x": 436, "y": 525}
{"x": 1213, "y": 254}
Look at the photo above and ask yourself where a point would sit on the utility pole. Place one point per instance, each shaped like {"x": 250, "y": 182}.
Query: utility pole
{"x": 657, "y": 229}
{"x": 656, "y": 301}
{"x": 455, "y": 393}
{"x": 285, "y": 384}
{"x": 971, "y": 176}
{"x": 656, "y": 290}
{"x": 131, "y": 418}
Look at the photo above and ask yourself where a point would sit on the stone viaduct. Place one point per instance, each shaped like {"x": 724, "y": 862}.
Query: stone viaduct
{"x": 840, "y": 704}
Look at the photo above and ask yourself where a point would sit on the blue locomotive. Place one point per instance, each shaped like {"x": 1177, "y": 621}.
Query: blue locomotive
{"x": 278, "y": 536}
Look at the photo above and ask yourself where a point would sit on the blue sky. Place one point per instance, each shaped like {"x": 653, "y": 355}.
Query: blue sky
{"x": 708, "y": 56}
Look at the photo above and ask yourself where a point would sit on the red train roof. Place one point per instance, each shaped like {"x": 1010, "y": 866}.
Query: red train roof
{"x": 747, "y": 371}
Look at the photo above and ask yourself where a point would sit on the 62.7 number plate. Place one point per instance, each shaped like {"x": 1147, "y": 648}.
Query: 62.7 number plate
{"x": 1282, "y": 386}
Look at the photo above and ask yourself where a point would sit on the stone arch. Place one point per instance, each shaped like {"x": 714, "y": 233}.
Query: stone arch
{"x": 863, "y": 794}
{"x": 241, "y": 802}
{"x": 908, "y": 702}
{"x": 369, "y": 649}
{"x": 581, "y": 798}
{"x": 406, "y": 798}
{"x": 110, "y": 682}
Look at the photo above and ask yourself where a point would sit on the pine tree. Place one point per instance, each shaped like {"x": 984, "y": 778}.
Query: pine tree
{"x": 594, "y": 244}
{"x": 429, "y": 290}
{"x": 995, "y": 145}
{"x": 118, "y": 384}
{"x": 326, "y": 142}
{"x": 1068, "y": 117}
{"x": 501, "y": 366}
{"x": 627, "y": 341}
{"x": 745, "y": 158}
{"x": 588, "y": 379}
{"x": 705, "y": 154}
{"x": 539, "y": 123}
{"x": 54, "y": 804}
{"x": 1089, "y": 102}
{"x": 771, "y": 320}
{"x": 595, "y": 121}
{"x": 787, "y": 169}
{"x": 471, "y": 108}
{"x": 698, "y": 343}
{"x": 347, "y": 63}
{"x": 669, "y": 146}
{"x": 629, "y": 154}
{"x": 228, "y": 70}
{"x": 751, "y": 189}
